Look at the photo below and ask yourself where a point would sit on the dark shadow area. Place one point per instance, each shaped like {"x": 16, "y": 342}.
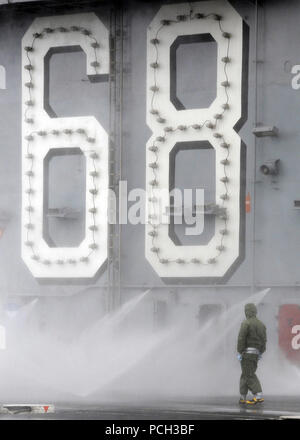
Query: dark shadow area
{"x": 68, "y": 90}
{"x": 200, "y": 160}
{"x": 190, "y": 54}
{"x": 209, "y": 312}
{"x": 64, "y": 204}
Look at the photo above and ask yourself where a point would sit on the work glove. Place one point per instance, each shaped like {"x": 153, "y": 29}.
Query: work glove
{"x": 239, "y": 356}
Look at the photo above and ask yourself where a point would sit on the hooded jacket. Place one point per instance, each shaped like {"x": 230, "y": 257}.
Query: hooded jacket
{"x": 253, "y": 332}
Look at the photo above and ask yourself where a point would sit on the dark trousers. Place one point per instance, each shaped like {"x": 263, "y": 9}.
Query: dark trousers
{"x": 249, "y": 380}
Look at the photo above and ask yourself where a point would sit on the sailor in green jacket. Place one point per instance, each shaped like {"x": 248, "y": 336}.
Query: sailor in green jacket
{"x": 251, "y": 344}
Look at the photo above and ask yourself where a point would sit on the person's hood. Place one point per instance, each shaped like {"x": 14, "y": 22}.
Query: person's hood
{"x": 250, "y": 310}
